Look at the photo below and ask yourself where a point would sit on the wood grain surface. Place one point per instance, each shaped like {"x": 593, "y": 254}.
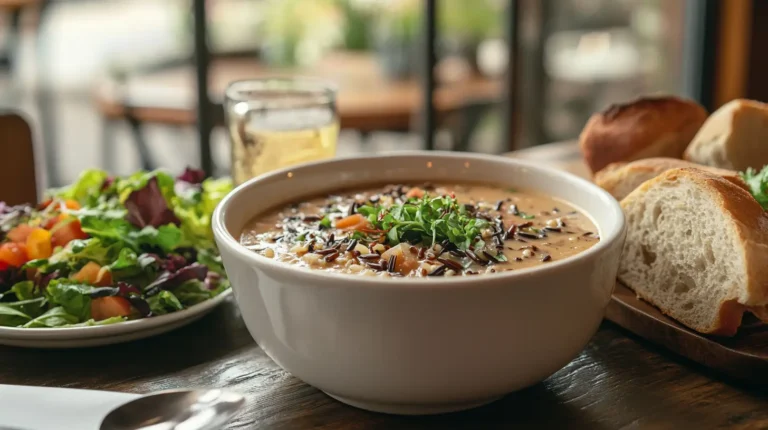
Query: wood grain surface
{"x": 619, "y": 381}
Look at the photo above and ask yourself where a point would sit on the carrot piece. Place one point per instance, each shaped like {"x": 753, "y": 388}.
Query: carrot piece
{"x": 352, "y": 222}
{"x": 415, "y": 192}
{"x": 20, "y": 233}
{"x": 39, "y": 244}
{"x": 71, "y": 204}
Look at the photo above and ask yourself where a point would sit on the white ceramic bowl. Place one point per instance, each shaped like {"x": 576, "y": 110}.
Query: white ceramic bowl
{"x": 419, "y": 346}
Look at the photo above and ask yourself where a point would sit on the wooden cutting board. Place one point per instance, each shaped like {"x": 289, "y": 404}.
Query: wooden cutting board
{"x": 744, "y": 356}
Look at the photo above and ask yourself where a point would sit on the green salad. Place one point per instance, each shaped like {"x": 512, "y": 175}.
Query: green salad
{"x": 110, "y": 249}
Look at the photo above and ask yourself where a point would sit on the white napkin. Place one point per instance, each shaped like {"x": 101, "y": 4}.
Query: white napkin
{"x": 45, "y": 408}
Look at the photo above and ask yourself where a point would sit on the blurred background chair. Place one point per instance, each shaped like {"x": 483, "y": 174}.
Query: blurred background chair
{"x": 17, "y": 165}
{"x": 138, "y": 83}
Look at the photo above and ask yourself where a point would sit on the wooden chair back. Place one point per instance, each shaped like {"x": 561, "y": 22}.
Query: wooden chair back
{"x": 18, "y": 182}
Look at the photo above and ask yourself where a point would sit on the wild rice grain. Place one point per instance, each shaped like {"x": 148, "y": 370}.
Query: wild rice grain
{"x": 392, "y": 262}
{"x": 331, "y": 257}
{"x": 452, "y": 264}
{"x": 440, "y": 271}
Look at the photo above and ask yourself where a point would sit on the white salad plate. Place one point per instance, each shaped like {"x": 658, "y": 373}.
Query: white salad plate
{"x": 78, "y": 337}
{"x": 65, "y": 408}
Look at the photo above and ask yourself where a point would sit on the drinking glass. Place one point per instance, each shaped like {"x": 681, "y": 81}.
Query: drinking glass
{"x": 279, "y": 122}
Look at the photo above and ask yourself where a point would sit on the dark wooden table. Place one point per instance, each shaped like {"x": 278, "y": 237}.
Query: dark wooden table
{"x": 617, "y": 382}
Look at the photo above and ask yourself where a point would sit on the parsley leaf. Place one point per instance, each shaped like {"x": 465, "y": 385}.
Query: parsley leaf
{"x": 426, "y": 220}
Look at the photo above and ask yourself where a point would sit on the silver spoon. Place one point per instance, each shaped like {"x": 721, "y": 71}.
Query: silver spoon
{"x": 175, "y": 410}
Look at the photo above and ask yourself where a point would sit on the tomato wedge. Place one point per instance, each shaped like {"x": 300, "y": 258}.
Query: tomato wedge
{"x": 13, "y": 254}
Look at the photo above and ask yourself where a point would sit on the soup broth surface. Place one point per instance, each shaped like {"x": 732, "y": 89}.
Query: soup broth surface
{"x": 422, "y": 230}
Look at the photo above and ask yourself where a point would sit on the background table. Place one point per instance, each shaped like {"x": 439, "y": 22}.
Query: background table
{"x": 617, "y": 382}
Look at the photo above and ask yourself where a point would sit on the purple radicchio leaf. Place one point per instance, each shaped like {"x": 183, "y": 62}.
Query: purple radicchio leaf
{"x": 140, "y": 305}
{"x": 126, "y": 289}
{"x": 133, "y": 294}
{"x": 193, "y": 176}
{"x": 98, "y": 292}
{"x": 212, "y": 280}
{"x": 170, "y": 280}
{"x": 9, "y": 276}
{"x": 42, "y": 281}
{"x": 174, "y": 263}
{"x": 107, "y": 183}
{"x": 147, "y": 206}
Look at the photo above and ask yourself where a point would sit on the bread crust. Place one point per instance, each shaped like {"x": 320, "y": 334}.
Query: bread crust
{"x": 621, "y": 178}
{"x": 749, "y": 222}
{"x": 646, "y": 127}
{"x": 726, "y": 139}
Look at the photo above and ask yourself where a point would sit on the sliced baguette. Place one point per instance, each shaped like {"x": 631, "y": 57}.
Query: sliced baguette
{"x": 696, "y": 247}
{"x": 620, "y": 179}
{"x": 733, "y": 137}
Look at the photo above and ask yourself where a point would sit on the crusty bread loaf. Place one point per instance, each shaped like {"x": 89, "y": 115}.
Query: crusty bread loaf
{"x": 647, "y": 127}
{"x": 620, "y": 179}
{"x": 696, "y": 248}
{"x": 733, "y": 137}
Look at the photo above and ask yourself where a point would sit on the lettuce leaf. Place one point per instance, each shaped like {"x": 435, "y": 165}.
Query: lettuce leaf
{"x": 192, "y": 292}
{"x": 30, "y": 307}
{"x": 166, "y": 237}
{"x": 164, "y": 302}
{"x": 92, "y": 322}
{"x": 196, "y": 209}
{"x": 71, "y": 295}
{"x": 24, "y": 290}
{"x": 11, "y": 317}
{"x": 55, "y": 317}
{"x": 86, "y": 189}
{"x": 119, "y": 232}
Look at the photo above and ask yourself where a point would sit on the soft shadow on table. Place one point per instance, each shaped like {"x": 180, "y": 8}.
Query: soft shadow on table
{"x": 535, "y": 407}
{"x": 216, "y": 335}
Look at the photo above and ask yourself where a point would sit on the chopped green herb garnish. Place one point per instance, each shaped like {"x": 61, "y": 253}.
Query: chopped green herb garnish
{"x": 758, "y": 184}
{"x": 325, "y": 222}
{"x": 501, "y": 257}
{"x": 427, "y": 220}
{"x": 524, "y": 215}
{"x": 302, "y": 237}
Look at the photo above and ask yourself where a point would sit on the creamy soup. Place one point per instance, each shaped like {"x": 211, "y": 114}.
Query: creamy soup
{"x": 422, "y": 230}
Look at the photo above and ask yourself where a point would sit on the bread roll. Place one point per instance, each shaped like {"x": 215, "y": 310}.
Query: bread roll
{"x": 734, "y": 137}
{"x": 647, "y": 127}
{"x": 620, "y": 179}
{"x": 696, "y": 248}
